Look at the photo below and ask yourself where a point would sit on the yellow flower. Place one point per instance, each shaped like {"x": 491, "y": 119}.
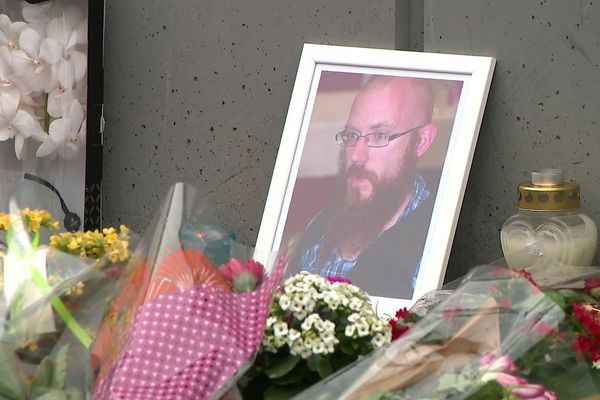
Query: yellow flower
{"x": 31, "y": 345}
{"x": 124, "y": 230}
{"x": 4, "y": 221}
{"x": 32, "y": 219}
{"x": 94, "y": 244}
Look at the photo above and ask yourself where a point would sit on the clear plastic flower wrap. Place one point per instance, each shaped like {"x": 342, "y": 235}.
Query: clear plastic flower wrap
{"x": 52, "y": 298}
{"x": 518, "y": 334}
{"x": 181, "y": 317}
{"x": 191, "y": 316}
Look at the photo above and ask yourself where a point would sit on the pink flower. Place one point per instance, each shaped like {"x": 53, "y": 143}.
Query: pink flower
{"x": 529, "y": 391}
{"x": 243, "y": 277}
{"x": 333, "y": 279}
{"x": 500, "y": 364}
{"x": 504, "y": 379}
{"x": 534, "y": 392}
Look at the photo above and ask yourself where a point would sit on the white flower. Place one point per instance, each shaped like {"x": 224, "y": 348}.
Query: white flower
{"x": 300, "y": 315}
{"x": 293, "y": 335}
{"x": 8, "y": 81}
{"x": 356, "y": 304}
{"x": 280, "y": 329}
{"x": 271, "y": 321}
{"x": 306, "y": 353}
{"x": 353, "y": 317}
{"x": 308, "y": 341}
{"x": 318, "y": 347}
{"x": 350, "y": 329}
{"x": 69, "y": 31}
{"x": 362, "y": 327}
{"x": 10, "y": 31}
{"x": 376, "y": 326}
{"x": 328, "y": 326}
{"x": 302, "y": 298}
{"x": 378, "y": 340}
{"x": 16, "y": 124}
{"x": 33, "y": 62}
{"x": 268, "y": 344}
{"x": 329, "y": 338}
{"x": 296, "y": 348}
{"x": 309, "y": 321}
{"x": 284, "y": 302}
{"x": 332, "y": 299}
{"x": 296, "y": 306}
{"x": 67, "y": 134}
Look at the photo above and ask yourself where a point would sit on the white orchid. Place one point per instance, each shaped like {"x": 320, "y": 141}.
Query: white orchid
{"x": 69, "y": 31}
{"x": 33, "y": 62}
{"x": 67, "y": 134}
{"x": 16, "y": 124}
{"x": 10, "y": 32}
{"x": 43, "y": 88}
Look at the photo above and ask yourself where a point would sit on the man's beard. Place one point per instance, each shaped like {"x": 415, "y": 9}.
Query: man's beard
{"x": 355, "y": 220}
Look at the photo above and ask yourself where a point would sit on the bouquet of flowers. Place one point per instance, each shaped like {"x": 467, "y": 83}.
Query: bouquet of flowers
{"x": 502, "y": 334}
{"x": 51, "y": 300}
{"x": 190, "y": 318}
{"x": 316, "y": 326}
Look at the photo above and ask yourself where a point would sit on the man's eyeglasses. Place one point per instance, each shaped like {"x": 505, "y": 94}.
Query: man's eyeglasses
{"x": 378, "y": 139}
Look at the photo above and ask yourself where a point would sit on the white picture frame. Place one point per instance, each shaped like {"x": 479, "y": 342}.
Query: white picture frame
{"x": 473, "y": 74}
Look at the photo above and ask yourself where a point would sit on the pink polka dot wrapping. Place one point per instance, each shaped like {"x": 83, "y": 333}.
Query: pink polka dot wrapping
{"x": 191, "y": 344}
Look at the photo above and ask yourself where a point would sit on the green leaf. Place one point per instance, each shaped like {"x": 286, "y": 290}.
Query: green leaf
{"x": 313, "y": 362}
{"x": 282, "y": 393}
{"x": 556, "y": 297}
{"x": 324, "y": 368}
{"x": 12, "y": 385}
{"x": 282, "y": 368}
{"x": 59, "y": 372}
{"x": 43, "y": 374}
{"x": 52, "y": 394}
{"x": 490, "y": 391}
{"x": 300, "y": 373}
{"x": 347, "y": 348}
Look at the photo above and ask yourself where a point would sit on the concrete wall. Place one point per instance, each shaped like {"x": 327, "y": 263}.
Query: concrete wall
{"x": 542, "y": 110}
{"x": 198, "y": 91}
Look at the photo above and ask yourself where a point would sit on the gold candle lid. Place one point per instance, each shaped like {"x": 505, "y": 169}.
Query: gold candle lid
{"x": 548, "y": 191}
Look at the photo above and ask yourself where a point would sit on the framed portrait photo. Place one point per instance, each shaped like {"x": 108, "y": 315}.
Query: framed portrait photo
{"x": 373, "y": 165}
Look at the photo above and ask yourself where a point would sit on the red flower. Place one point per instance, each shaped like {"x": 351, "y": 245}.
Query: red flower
{"x": 398, "y": 330}
{"x": 524, "y": 274}
{"x": 451, "y": 312}
{"x": 403, "y": 313}
{"x": 587, "y": 343}
{"x": 243, "y": 277}
{"x": 543, "y": 329}
{"x": 506, "y": 303}
{"x": 592, "y": 283}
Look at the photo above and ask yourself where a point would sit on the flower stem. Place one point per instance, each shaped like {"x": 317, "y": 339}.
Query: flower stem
{"x": 47, "y": 116}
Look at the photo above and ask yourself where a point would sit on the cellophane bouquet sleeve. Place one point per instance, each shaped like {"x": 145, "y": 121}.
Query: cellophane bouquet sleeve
{"x": 52, "y": 298}
{"x": 501, "y": 334}
{"x": 190, "y": 319}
